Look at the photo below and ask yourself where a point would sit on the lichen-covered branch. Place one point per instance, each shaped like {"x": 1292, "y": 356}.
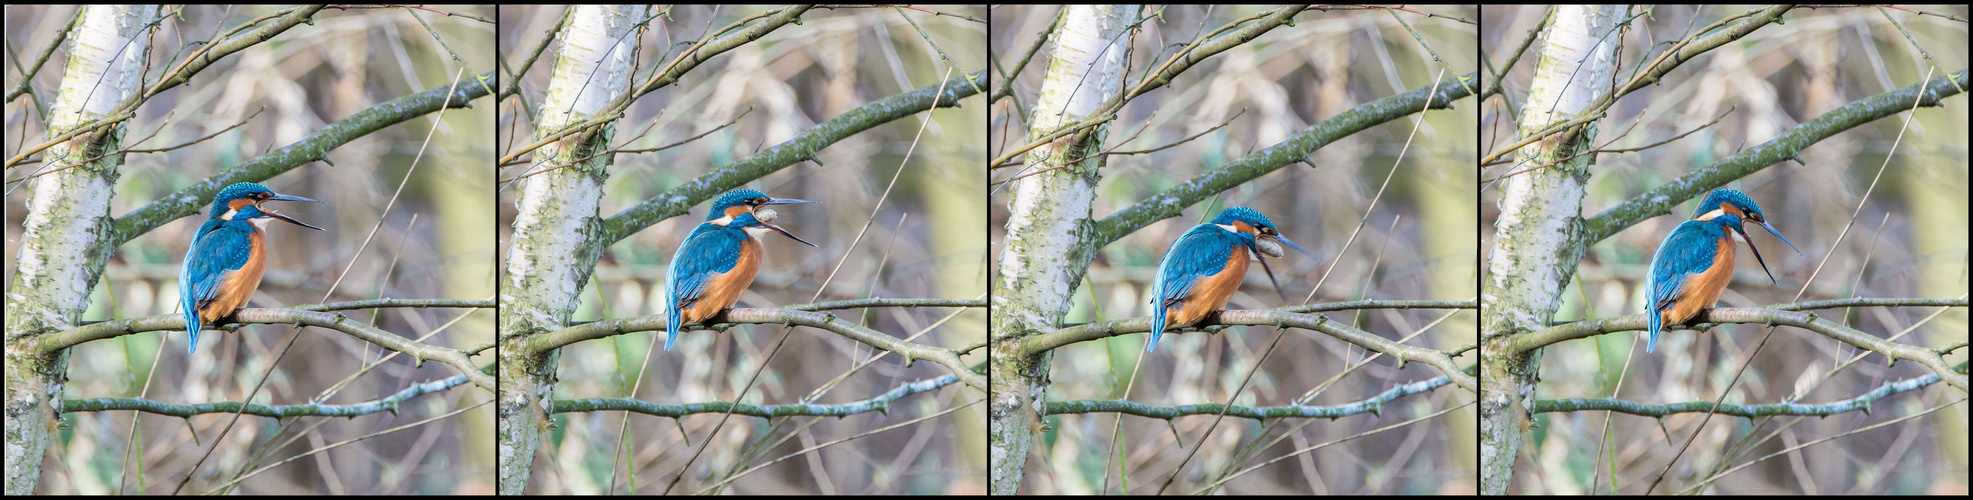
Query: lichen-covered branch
{"x": 864, "y": 303}
{"x": 1296, "y": 148}
{"x": 393, "y": 303}
{"x": 1372, "y": 405}
{"x": 879, "y": 403}
{"x": 802, "y": 147}
{"x": 52, "y": 343}
{"x": 1807, "y": 321}
{"x": 316, "y": 146}
{"x": 1104, "y": 329}
{"x": 1860, "y": 403}
{"x": 828, "y": 322}
{"x": 1786, "y": 146}
{"x": 387, "y": 403}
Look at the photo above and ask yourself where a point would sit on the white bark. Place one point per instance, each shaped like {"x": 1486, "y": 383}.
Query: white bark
{"x": 558, "y": 214}
{"x": 1048, "y": 227}
{"x": 66, "y": 235}
{"x": 1533, "y": 257}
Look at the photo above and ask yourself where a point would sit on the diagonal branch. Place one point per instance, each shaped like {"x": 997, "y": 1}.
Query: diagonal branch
{"x": 1296, "y": 148}
{"x": 421, "y": 352}
{"x": 879, "y": 403}
{"x": 1373, "y": 405}
{"x": 316, "y": 146}
{"x": 387, "y": 403}
{"x": 802, "y": 147}
{"x": 1660, "y": 200}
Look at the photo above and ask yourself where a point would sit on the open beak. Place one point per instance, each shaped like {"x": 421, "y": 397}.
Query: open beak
{"x": 778, "y": 229}
{"x": 1777, "y": 234}
{"x": 289, "y": 197}
{"x": 291, "y": 220}
{"x": 788, "y": 201}
{"x": 1757, "y": 251}
{"x": 1284, "y": 240}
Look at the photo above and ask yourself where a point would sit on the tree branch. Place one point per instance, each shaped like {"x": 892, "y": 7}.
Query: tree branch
{"x": 388, "y": 403}
{"x": 606, "y": 328}
{"x": 863, "y": 303}
{"x": 1035, "y": 344}
{"x": 1860, "y": 403}
{"x": 1660, "y": 200}
{"x": 1296, "y": 148}
{"x": 1373, "y": 405}
{"x": 879, "y": 403}
{"x": 316, "y": 146}
{"x": 421, "y": 352}
{"x": 802, "y": 147}
{"x": 1808, "y": 321}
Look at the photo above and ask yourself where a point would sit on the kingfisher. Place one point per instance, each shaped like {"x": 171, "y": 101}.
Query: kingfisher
{"x": 719, "y": 258}
{"x": 1694, "y": 264}
{"x": 228, "y": 254}
{"x": 1205, "y": 266}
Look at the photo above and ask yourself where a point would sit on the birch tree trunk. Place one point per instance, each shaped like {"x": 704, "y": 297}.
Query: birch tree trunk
{"x": 1537, "y": 242}
{"x": 68, "y": 236}
{"x": 558, "y": 218}
{"x": 1048, "y": 245}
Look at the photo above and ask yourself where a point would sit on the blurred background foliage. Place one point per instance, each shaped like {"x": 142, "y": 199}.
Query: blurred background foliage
{"x": 298, "y": 83}
{"x": 1910, "y": 240}
{"x": 924, "y": 242}
{"x": 1418, "y": 243}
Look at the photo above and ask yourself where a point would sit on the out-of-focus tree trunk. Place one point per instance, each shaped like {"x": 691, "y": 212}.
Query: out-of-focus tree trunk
{"x": 558, "y": 214}
{"x": 1047, "y": 247}
{"x": 1536, "y": 248}
{"x": 67, "y": 239}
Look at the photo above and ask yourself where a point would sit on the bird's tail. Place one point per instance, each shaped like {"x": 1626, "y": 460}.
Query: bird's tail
{"x": 192, "y": 327}
{"x": 671, "y": 324}
{"x": 1657, "y": 321}
{"x": 1157, "y": 327}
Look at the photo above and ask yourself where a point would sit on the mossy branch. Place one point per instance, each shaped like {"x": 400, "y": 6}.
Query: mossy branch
{"x": 1034, "y": 345}
{"x": 1296, "y": 148}
{"x": 387, "y": 403}
{"x": 802, "y": 147}
{"x": 1372, "y": 405}
{"x": 1808, "y": 321}
{"x": 1787, "y": 146}
{"x": 1860, "y": 403}
{"x": 879, "y": 403}
{"x": 827, "y": 322}
{"x": 52, "y": 343}
{"x": 316, "y": 146}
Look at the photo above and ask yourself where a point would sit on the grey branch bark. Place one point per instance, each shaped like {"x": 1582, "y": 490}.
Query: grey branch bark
{"x": 879, "y": 403}
{"x": 1372, "y": 405}
{"x": 387, "y": 403}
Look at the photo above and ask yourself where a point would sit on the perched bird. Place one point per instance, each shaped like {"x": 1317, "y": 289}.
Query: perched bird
{"x": 1694, "y": 264}
{"x": 1205, "y": 266}
{"x": 718, "y": 260}
{"x": 228, "y": 254}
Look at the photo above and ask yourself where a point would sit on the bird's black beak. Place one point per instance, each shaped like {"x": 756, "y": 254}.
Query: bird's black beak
{"x": 1284, "y": 240}
{"x": 1757, "y": 251}
{"x": 785, "y": 232}
{"x": 291, "y": 220}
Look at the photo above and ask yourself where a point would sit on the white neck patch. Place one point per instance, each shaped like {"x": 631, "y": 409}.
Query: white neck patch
{"x": 722, "y": 220}
{"x": 1228, "y": 227}
{"x": 1712, "y": 215}
{"x": 229, "y": 214}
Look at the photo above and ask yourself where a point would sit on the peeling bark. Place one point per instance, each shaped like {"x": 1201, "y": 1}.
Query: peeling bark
{"x": 68, "y": 235}
{"x": 1536, "y": 243}
{"x": 1050, "y": 231}
{"x": 553, "y": 248}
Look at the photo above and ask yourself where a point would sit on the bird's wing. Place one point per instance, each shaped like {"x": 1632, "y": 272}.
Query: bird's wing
{"x": 1688, "y": 251}
{"x": 709, "y": 249}
{"x": 1201, "y": 251}
{"x": 219, "y": 249}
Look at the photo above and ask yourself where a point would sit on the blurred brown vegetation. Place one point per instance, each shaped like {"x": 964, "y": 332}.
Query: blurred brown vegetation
{"x": 925, "y": 242}
{"x": 1910, "y": 240}
{"x": 1286, "y": 80}
{"x": 299, "y": 82}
